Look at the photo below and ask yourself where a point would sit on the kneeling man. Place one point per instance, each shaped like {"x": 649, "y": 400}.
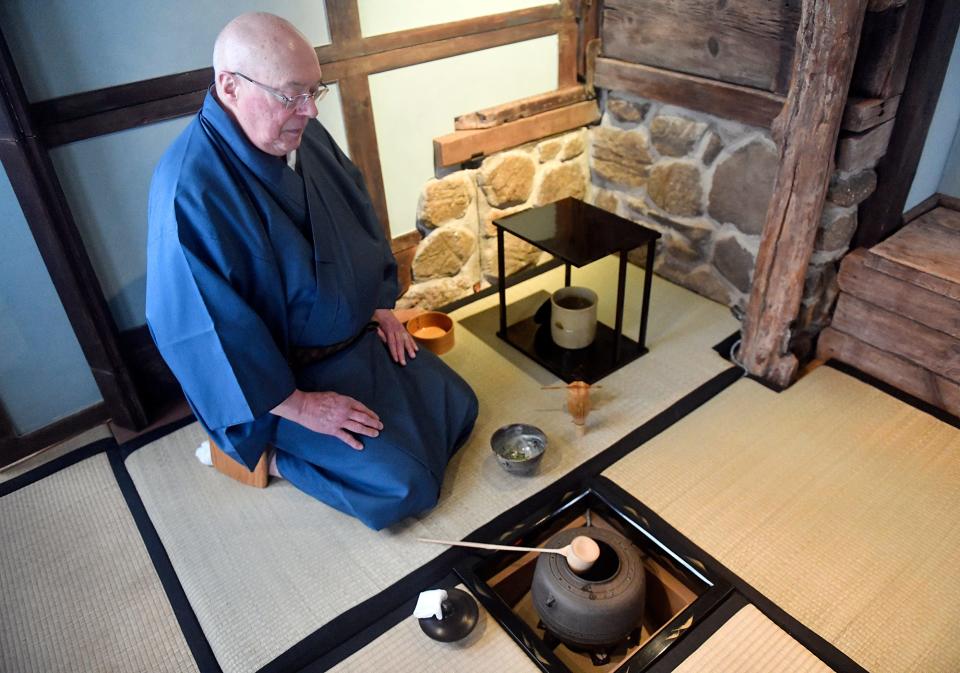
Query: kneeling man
{"x": 269, "y": 289}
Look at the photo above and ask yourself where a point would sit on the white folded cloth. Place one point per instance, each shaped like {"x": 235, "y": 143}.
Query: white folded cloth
{"x": 429, "y": 604}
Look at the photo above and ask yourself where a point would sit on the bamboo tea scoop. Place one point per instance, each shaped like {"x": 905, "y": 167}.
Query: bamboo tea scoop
{"x": 581, "y": 553}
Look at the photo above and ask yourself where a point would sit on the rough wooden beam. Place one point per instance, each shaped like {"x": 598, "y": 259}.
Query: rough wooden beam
{"x": 807, "y": 133}
{"x": 862, "y": 114}
{"x": 588, "y": 25}
{"x": 731, "y": 101}
{"x": 519, "y": 109}
{"x": 460, "y": 146}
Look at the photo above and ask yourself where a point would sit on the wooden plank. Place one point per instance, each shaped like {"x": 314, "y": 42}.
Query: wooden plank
{"x": 404, "y": 248}
{"x": 362, "y": 140}
{"x": 432, "y": 51}
{"x": 149, "y": 98}
{"x": 859, "y": 151}
{"x": 930, "y": 244}
{"x": 460, "y": 146}
{"x": 588, "y": 25}
{"x": 746, "y": 42}
{"x": 880, "y": 215}
{"x": 885, "y": 50}
{"x": 567, "y": 46}
{"x": 929, "y": 348}
{"x": 730, "y": 101}
{"x": 518, "y": 109}
{"x": 909, "y": 377}
{"x": 862, "y": 114}
{"x": 934, "y": 310}
{"x": 258, "y": 477}
{"x": 807, "y": 133}
{"x": 121, "y": 119}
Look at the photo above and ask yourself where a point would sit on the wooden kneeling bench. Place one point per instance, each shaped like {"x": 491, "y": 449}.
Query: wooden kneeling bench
{"x": 238, "y": 471}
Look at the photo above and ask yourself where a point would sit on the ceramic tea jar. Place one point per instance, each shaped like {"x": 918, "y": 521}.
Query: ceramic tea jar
{"x": 598, "y": 607}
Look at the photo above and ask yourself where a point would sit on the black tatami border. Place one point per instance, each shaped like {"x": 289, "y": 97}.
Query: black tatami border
{"x": 183, "y": 612}
{"x": 61, "y": 463}
{"x": 906, "y": 398}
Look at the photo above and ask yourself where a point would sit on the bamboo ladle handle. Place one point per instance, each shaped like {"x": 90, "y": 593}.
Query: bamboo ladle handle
{"x": 581, "y": 553}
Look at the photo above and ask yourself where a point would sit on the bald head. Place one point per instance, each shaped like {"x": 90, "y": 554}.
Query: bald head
{"x": 269, "y": 50}
{"x": 258, "y": 44}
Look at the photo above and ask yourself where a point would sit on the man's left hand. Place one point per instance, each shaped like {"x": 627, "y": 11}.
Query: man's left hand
{"x": 398, "y": 340}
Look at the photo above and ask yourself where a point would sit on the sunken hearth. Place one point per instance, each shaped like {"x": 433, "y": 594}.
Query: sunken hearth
{"x": 675, "y": 590}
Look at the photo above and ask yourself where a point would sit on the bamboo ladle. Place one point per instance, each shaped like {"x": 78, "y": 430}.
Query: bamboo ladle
{"x": 581, "y": 553}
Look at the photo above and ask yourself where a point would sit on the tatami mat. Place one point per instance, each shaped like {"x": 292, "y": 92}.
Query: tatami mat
{"x": 834, "y": 500}
{"x": 265, "y": 568}
{"x": 78, "y": 591}
{"x": 750, "y": 643}
{"x": 405, "y": 647}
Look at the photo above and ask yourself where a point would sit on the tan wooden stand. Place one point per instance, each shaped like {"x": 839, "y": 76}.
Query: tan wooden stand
{"x": 238, "y": 471}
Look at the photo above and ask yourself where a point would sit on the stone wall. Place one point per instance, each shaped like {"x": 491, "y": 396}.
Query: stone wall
{"x": 458, "y": 253}
{"x": 702, "y": 181}
{"x": 705, "y": 183}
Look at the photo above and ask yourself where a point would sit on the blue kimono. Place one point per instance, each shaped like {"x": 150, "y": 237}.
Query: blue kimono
{"x": 248, "y": 259}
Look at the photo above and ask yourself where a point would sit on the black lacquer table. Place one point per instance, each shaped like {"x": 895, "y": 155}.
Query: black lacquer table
{"x": 578, "y": 234}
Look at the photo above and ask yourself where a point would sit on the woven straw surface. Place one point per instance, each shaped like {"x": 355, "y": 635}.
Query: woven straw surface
{"x": 750, "y": 643}
{"x": 835, "y": 500}
{"x": 78, "y": 591}
{"x": 265, "y": 568}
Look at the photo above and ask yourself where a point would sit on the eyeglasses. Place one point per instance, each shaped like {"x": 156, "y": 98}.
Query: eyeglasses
{"x": 288, "y": 102}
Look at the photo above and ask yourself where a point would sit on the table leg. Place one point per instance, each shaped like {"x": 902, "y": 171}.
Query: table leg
{"x": 647, "y": 282}
{"x": 621, "y": 287}
{"x": 501, "y": 284}
{"x": 566, "y": 274}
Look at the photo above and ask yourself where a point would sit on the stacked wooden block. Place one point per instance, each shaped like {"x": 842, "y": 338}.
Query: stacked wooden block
{"x": 898, "y": 314}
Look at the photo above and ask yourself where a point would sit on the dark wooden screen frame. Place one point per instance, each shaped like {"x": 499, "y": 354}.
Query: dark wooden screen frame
{"x": 28, "y": 131}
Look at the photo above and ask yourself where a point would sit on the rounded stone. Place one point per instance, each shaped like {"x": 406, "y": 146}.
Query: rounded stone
{"x": 507, "y": 179}
{"x": 444, "y": 200}
{"x": 443, "y": 253}
{"x": 742, "y": 185}
{"x": 734, "y": 262}
{"x": 563, "y": 181}
{"x": 621, "y": 156}
{"x": 675, "y": 186}
{"x": 675, "y": 136}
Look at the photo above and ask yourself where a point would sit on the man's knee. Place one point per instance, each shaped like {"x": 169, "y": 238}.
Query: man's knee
{"x": 409, "y": 492}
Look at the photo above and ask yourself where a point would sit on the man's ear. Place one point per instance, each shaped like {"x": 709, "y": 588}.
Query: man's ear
{"x": 227, "y": 85}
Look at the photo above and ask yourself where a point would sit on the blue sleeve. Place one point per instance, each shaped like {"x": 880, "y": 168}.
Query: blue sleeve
{"x": 200, "y": 296}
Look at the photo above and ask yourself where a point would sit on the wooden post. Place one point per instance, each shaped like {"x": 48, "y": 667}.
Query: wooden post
{"x": 806, "y": 132}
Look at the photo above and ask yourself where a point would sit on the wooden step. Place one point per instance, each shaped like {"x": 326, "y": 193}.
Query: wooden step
{"x": 899, "y": 296}
{"x": 898, "y": 313}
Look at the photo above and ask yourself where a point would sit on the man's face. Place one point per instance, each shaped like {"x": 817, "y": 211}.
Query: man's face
{"x": 263, "y": 118}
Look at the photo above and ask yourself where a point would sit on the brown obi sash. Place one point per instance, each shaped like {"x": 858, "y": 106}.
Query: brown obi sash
{"x": 300, "y": 357}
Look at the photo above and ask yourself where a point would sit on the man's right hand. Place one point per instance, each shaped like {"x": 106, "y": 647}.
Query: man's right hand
{"x": 330, "y": 413}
